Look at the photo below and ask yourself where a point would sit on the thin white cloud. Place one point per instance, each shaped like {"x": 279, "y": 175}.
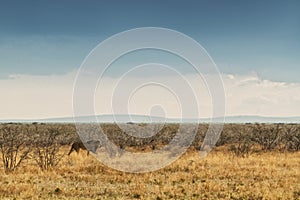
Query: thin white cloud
{"x": 251, "y": 95}
{"x": 30, "y": 97}
{"x": 34, "y": 97}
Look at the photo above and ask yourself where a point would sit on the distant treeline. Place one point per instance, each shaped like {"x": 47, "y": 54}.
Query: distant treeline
{"x": 42, "y": 142}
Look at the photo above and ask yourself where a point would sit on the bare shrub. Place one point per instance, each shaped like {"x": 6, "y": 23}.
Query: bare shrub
{"x": 243, "y": 140}
{"x": 267, "y": 136}
{"x": 47, "y": 144}
{"x": 14, "y": 146}
{"x": 291, "y": 138}
{"x": 228, "y": 135}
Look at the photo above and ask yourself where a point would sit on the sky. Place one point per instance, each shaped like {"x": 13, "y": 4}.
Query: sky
{"x": 255, "y": 44}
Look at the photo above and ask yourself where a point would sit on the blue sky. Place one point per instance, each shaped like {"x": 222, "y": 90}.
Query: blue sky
{"x": 255, "y": 44}
{"x": 53, "y": 37}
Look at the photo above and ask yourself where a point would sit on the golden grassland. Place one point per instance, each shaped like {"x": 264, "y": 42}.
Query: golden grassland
{"x": 220, "y": 175}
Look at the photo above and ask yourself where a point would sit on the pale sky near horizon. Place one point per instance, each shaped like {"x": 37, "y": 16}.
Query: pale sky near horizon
{"x": 255, "y": 44}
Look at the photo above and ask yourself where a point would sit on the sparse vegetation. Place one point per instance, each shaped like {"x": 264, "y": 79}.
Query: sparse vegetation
{"x": 264, "y": 165}
{"x": 243, "y": 140}
{"x": 14, "y": 146}
{"x": 47, "y": 143}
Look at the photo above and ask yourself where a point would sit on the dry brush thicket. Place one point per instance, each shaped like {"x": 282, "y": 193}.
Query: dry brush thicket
{"x": 42, "y": 143}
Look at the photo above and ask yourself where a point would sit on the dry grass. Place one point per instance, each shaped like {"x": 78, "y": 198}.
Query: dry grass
{"x": 220, "y": 175}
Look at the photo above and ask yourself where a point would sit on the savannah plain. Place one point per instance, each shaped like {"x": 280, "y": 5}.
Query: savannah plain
{"x": 250, "y": 161}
